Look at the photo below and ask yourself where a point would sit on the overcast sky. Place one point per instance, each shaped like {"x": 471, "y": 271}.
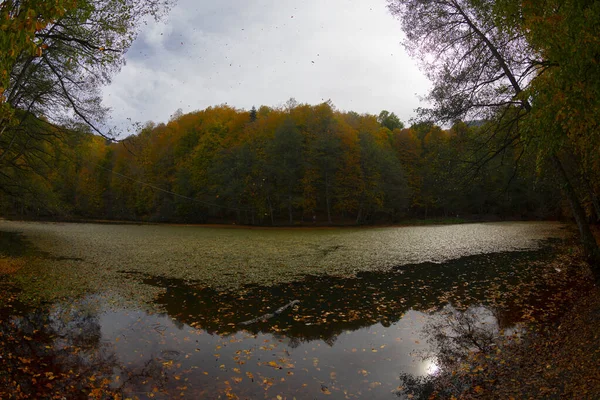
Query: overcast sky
{"x": 263, "y": 52}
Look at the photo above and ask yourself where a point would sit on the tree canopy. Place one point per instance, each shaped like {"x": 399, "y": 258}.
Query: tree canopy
{"x": 281, "y": 166}
{"x": 56, "y": 55}
{"x": 524, "y": 68}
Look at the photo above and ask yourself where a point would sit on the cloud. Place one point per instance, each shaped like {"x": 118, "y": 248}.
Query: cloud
{"x": 263, "y": 52}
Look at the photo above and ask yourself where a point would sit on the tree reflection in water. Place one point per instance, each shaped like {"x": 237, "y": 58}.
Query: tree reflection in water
{"x": 347, "y": 335}
{"x": 459, "y": 342}
{"x": 49, "y": 351}
{"x": 58, "y": 352}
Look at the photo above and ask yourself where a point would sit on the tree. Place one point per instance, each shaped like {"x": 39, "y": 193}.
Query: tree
{"x": 408, "y": 149}
{"x": 350, "y": 183}
{"x": 324, "y": 151}
{"x": 484, "y": 66}
{"x": 285, "y": 155}
{"x": 385, "y": 188}
{"x": 70, "y": 49}
{"x": 55, "y": 57}
{"x": 390, "y": 120}
{"x": 567, "y": 103}
{"x": 20, "y": 23}
{"x": 253, "y": 114}
{"x": 476, "y": 68}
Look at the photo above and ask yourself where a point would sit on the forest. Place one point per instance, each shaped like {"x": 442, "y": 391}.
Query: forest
{"x": 509, "y": 130}
{"x": 275, "y": 166}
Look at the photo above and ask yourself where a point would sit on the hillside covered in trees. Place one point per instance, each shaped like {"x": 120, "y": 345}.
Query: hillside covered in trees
{"x": 275, "y": 166}
{"x": 526, "y": 91}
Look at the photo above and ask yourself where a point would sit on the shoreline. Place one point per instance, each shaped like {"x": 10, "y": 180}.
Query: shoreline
{"x": 298, "y": 226}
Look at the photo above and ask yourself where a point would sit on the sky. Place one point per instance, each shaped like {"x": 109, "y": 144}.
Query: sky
{"x": 264, "y": 52}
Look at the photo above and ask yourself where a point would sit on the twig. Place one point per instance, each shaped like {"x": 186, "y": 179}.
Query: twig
{"x": 268, "y": 316}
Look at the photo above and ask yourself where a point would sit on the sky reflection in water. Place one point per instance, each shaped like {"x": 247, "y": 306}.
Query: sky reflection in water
{"x": 347, "y": 338}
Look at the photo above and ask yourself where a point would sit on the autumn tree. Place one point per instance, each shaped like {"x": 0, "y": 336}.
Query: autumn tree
{"x": 55, "y": 57}
{"x": 214, "y": 165}
{"x": 565, "y": 35}
{"x": 385, "y": 188}
{"x": 407, "y": 147}
{"x": 484, "y": 65}
{"x": 324, "y": 153}
{"x": 285, "y": 154}
{"x": 65, "y": 51}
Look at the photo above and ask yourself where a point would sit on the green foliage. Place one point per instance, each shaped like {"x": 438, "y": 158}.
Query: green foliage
{"x": 253, "y": 114}
{"x": 528, "y": 68}
{"x": 389, "y": 120}
{"x": 288, "y": 165}
{"x": 55, "y": 56}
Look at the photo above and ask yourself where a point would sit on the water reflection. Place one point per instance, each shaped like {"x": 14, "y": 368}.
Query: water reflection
{"x": 52, "y": 351}
{"x": 462, "y": 345}
{"x": 430, "y": 367}
{"x": 332, "y": 305}
{"x": 347, "y": 338}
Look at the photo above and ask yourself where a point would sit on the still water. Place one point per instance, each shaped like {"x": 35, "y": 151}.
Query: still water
{"x": 162, "y": 310}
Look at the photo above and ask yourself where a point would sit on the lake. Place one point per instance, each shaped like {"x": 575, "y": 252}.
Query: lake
{"x": 157, "y": 311}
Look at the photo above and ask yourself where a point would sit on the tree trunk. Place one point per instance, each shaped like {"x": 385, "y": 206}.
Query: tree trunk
{"x": 327, "y": 198}
{"x": 596, "y": 204}
{"x": 590, "y": 246}
{"x": 290, "y": 209}
{"x": 271, "y": 211}
{"x": 593, "y": 197}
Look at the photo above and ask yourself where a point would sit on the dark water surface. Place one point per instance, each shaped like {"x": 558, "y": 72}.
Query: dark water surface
{"x": 347, "y": 337}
